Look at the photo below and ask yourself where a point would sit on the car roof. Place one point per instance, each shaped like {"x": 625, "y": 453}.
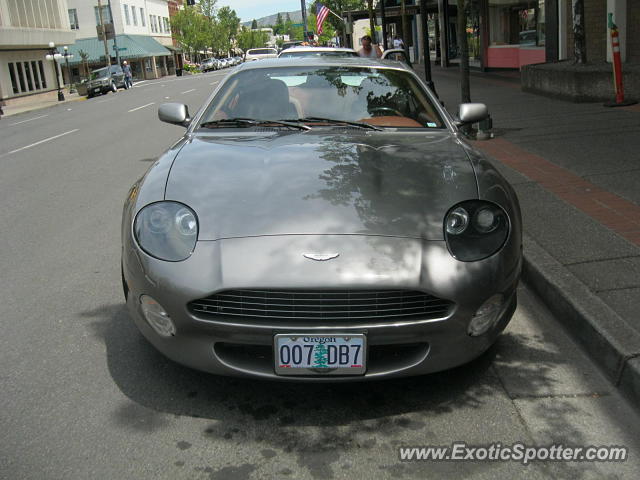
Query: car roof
{"x": 321, "y": 61}
{"x": 318, "y": 49}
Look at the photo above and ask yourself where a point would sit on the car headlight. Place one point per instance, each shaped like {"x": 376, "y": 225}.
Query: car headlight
{"x": 475, "y": 229}
{"x": 166, "y": 230}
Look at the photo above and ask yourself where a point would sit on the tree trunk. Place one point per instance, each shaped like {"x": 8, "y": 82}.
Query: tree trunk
{"x": 372, "y": 21}
{"x": 465, "y": 90}
{"x": 579, "y": 37}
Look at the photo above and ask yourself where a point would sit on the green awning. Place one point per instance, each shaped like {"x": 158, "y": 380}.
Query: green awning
{"x": 129, "y": 46}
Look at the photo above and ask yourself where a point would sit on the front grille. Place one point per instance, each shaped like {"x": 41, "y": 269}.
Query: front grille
{"x": 334, "y": 305}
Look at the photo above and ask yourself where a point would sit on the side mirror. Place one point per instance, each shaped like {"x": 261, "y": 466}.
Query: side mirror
{"x": 471, "y": 113}
{"x": 174, "y": 113}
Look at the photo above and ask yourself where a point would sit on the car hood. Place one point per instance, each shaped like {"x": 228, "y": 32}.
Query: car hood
{"x": 370, "y": 183}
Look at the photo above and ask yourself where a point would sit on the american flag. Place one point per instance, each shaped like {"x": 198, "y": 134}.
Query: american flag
{"x": 321, "y": 15}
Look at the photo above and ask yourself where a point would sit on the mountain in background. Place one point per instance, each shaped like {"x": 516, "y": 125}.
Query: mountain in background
{"x": 296, "y": 17}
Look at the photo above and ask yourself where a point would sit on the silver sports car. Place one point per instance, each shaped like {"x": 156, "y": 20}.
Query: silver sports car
{"x": 321, "y": 220}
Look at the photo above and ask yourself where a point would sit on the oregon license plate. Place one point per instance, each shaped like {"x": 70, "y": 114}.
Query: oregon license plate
{"x": 320, "y": 354}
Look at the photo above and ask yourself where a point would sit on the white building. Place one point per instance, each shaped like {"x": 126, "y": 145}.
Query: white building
{"x": 26, "y": 28}
{"x": 142, "y": 31}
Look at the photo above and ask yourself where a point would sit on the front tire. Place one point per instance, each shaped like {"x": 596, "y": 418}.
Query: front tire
{"x": 113, "y": 87}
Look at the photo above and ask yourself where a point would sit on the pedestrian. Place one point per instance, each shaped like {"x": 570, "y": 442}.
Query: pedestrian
{"x": 369, "y": 50}
{"x": 398, "y": 43}
{"x": 2, "y": 104}
{"x": 126, "y": 68}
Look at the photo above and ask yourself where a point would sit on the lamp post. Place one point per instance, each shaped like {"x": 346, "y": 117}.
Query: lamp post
{"x": 66, "y": 55}
{"x": 54, "y": 55}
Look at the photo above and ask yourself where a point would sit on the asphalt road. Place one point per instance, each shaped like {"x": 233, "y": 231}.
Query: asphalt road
{"x": 85, "y": 396}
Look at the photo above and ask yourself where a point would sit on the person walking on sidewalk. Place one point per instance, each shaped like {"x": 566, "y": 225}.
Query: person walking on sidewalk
{"x": 398, "y": 43}
{"x": 126, "y": 68}
{"x": 368, "y": 50}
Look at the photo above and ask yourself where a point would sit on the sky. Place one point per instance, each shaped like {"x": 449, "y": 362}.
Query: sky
{"x": 249, "y": 9}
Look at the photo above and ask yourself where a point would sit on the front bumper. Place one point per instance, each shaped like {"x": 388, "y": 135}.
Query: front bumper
{"x": 243, "y": 347}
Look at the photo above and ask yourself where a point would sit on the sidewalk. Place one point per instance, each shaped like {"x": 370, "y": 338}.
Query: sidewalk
{"x": 38, "y": 102}
{"x": 576, "y": 169}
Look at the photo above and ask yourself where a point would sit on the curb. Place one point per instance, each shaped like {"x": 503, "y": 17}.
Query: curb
{"x": 43, "y": 107}
{"x": 612, "y": 344}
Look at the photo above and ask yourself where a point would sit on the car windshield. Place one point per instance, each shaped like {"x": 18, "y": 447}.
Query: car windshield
{"x": 382, "y": 97}
{"x": 103, "y": 72}
{"x": 303, "y": 53}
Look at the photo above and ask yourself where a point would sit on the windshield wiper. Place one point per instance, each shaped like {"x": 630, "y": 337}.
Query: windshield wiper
{"x": 336, "y": 121}
{"x": 250, "y": 122}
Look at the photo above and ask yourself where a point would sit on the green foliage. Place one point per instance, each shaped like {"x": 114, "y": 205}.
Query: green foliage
{"x": 205, "y": 27}
{"x": 254, "y": 24}
{"x": 338, "y": 6}
{"x": 251, "y": 39}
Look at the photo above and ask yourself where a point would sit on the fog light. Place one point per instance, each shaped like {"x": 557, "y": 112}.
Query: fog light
{"x": 157, "y": 317}
{"x": 486, "y": 316}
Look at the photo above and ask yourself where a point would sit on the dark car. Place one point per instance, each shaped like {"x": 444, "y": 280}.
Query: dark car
{"x": 321, "y": 219}
{"x": 104, "y": 80}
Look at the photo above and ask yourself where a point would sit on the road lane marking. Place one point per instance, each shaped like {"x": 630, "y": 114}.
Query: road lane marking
{"x": 192, "y": 90}
{"x": 143, "y": 106}
{"x": 214, "y": 82}
{"x": 38, "y": 143}
{"x": 25, "y": 121}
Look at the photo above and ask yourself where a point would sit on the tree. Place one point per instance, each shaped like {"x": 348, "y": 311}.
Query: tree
{"x": 228, "y": 24}
{"x": 191, "y": 29}
{"x": 339, "y": 6}
{"x": 254, "y": 25}
{"x": 465, "y": 89}
{"x": 278, "y": 28}
{"x": 208, "y": 8}
{"x": 247, "y": 39}
{"x": 579, "y": 38}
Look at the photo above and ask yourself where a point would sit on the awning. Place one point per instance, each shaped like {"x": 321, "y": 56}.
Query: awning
{"x": 129, "y": 46}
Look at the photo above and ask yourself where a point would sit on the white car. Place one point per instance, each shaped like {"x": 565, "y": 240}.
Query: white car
{"x": 260, "y": 53}
{"x": 299, "y": 52}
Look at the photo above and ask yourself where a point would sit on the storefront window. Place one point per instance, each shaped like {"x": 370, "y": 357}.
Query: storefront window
{"x": 516, "y": 22}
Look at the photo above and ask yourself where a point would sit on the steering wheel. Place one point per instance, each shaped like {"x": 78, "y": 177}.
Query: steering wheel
{"x": 385, "y": 110}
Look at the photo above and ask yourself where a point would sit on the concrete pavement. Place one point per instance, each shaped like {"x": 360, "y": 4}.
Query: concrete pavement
{"x": 576, "y": 169}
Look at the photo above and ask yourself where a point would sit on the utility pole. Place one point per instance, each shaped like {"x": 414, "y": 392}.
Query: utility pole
{"x": 384, "y": 25}
{"x": 303, "y": 6}
{"x": 465, "y": 90}
{"x": 104, "y": 35}
{"x": 115, "y": 42}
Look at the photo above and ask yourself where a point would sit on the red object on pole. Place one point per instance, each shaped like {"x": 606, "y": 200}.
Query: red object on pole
{"x": 617, "y": 65}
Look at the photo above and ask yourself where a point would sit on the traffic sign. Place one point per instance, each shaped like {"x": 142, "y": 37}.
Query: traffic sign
{"x": 120, "y": 49}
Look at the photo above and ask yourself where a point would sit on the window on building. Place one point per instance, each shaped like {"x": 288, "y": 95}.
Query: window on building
{"x": 14, "y": 78}
{"x": 154, "y": 25}
{"x": 42, "y": 77}
{"x": 36, "y": 76}
{"x": 126, "y": 14}
{"x": 167, "y": 27}
{"x": 134, "y": 17}
{"x": 23, "y": 85}
{"x": 27, "y": 74}
{"x": 142, "y": 18}
{"x": 106, "y": 18}
{"x": 516, "y": 22}
{"x": 73, "y": 19}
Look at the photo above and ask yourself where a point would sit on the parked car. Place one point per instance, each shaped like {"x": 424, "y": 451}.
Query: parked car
{"x": 223, "y": 62}
{"x": 103, "y": 80}
{"x": 260, "y": 53}
{"x": 210, "y": 64}
{"x": 321, "y": 220}
{"x": 291, "y": 44}
{"x": 298, "y": 52}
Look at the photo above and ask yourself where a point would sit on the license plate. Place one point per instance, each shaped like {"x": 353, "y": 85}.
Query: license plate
{"x": 320, "y": 354}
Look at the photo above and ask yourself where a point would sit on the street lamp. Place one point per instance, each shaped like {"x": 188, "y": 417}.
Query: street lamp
{"x": 54, "y": 56}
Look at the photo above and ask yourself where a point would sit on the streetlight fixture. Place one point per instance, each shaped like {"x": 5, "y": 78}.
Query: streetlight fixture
{"x": 54, "y": 56}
